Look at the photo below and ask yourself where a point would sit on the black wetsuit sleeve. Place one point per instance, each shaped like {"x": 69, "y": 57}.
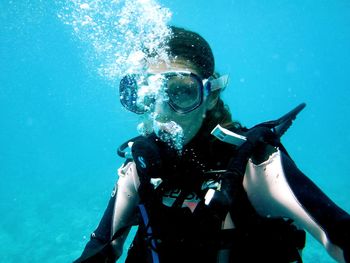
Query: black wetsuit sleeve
{"x": 96, "y": 250}
{"x": 106, "y": 242}
{"x": 333, "y": 220}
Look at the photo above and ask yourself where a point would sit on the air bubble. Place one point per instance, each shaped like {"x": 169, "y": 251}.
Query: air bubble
{"x": 117, "y": 32}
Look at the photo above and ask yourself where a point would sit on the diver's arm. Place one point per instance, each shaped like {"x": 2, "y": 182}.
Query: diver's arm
{"x": 125, "y": 208}
{"x": 276, "y": 187}
{"x": 96, "y": 250}
{"x": 119, "y": 215}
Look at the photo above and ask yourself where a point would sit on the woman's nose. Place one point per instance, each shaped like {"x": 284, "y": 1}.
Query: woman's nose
{"x": 162, "y": 107}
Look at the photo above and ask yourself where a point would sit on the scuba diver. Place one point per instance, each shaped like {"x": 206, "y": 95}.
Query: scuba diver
{"x": 200, "y": 186}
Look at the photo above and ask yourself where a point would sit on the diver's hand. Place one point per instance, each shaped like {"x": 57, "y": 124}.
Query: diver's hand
{"x": 232, "y": 180}
{"x": 147, "y": 156}
{"x": 260, "y": 135}
{"x": 150, "y": 155}
{"x": 257, "y": 138}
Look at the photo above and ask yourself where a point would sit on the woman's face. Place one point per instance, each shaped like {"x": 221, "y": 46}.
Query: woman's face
{"x": 190, "y": 122}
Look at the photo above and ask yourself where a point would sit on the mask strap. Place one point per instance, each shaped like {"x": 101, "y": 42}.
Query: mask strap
{"x": 219, "y": 83}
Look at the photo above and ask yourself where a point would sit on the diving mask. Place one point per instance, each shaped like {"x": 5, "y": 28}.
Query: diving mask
{"x": 183, "y": 90}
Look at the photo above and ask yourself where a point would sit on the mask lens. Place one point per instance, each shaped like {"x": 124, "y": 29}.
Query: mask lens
{"x": 128, "y": 89}
{"x": 184, "y": 92}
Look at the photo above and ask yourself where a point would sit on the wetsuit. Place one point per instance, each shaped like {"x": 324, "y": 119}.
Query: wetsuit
{"x": 182, "y": 227}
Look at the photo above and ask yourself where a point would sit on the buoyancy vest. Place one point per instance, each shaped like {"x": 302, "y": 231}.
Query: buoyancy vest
{"x": 184, "y": 229}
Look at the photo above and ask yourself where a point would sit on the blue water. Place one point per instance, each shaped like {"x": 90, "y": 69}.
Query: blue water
{"x": 61, "y": 122}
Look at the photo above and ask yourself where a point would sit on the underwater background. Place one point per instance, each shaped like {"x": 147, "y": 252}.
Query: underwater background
{"x": 62, "y": 122}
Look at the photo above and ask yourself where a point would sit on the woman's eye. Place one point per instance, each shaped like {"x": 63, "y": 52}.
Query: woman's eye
{"x": 181, "y": 91}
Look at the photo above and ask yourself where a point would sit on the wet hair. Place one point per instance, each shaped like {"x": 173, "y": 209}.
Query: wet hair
{"x": 193, "y": 48}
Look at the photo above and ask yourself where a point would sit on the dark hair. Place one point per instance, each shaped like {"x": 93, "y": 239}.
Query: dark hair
{"x": 192, "y": 47}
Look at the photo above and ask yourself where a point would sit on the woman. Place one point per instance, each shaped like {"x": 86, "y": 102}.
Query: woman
{"x": 198, "y": 199}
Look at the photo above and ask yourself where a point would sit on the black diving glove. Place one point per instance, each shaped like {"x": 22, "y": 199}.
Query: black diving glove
{"x": 232, "y": 179}
{"x": 151, "y": 155}
{"x": 257, "y": 138}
